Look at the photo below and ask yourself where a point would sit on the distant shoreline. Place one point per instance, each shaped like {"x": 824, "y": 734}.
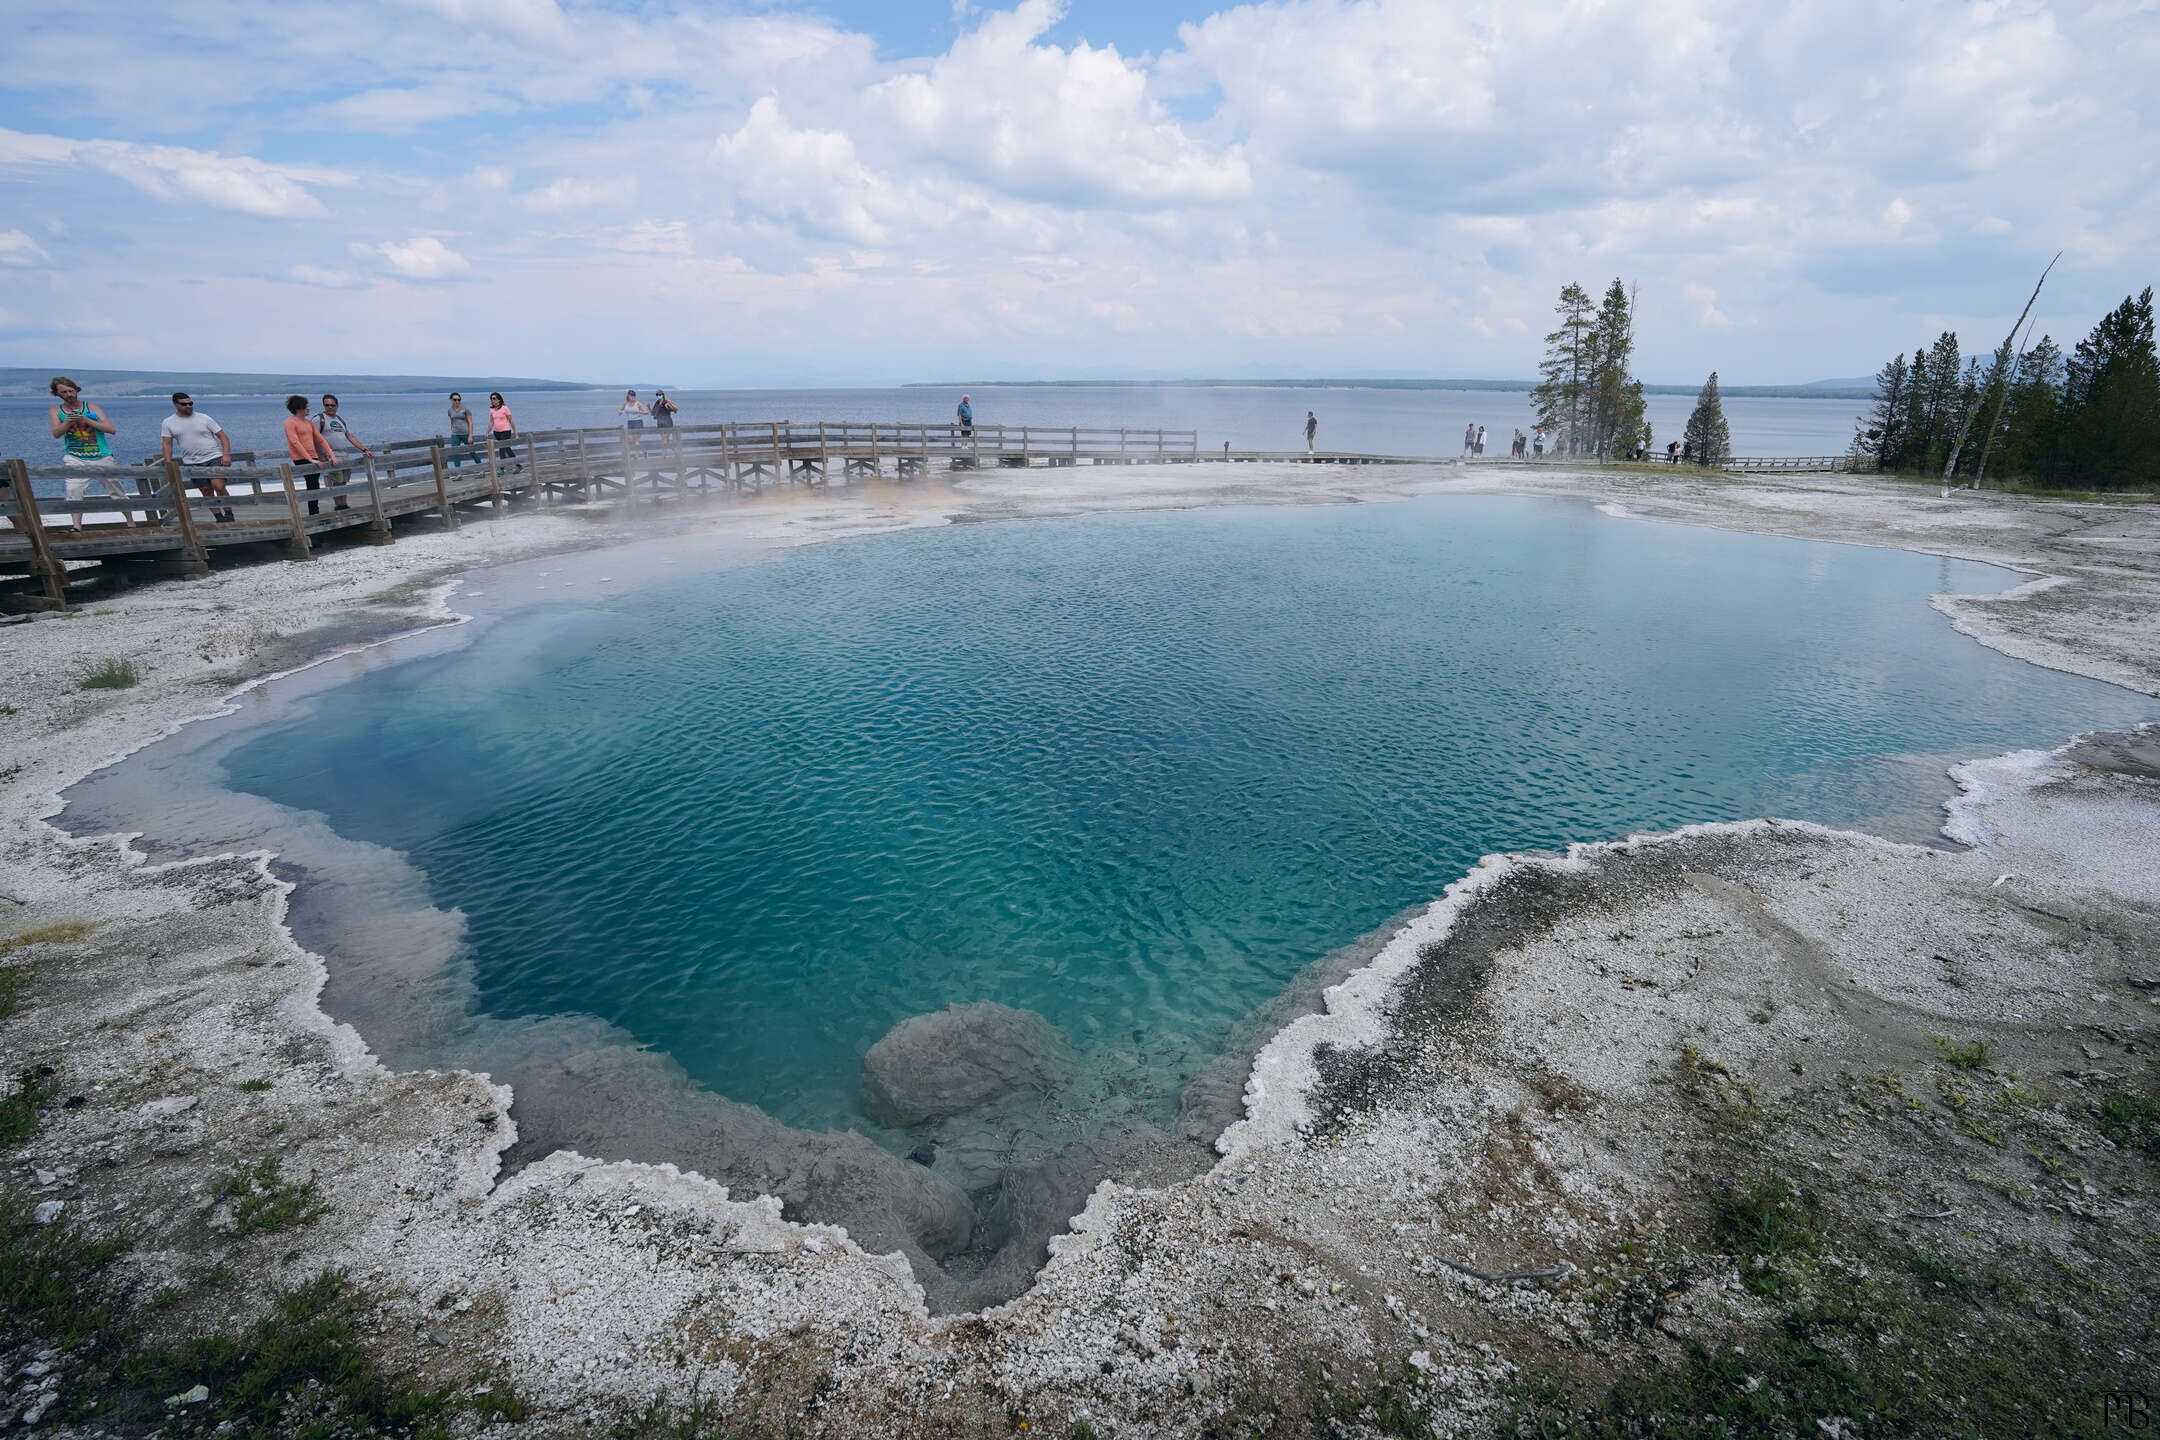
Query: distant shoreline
{"x": 1819, "y": 390}
{"x": 21, "y": 382}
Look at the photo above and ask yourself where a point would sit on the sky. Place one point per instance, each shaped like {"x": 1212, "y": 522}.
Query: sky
{"x": 727, "y": 193}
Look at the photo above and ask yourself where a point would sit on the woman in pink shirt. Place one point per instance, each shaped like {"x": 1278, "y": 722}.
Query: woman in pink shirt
{"x": 305, "y": 444}
{"x": 503, "y": 426}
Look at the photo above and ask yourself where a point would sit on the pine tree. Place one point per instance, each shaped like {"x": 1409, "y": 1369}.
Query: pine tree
{"x": 1564, "y": 373}
{"x": 1912, "y": 444}
{"x": 1615, "y": 402}
{"x": 1707, "y": 437}
{"x": 1881, "y": 432}
{"x": 2111, "y": 401}
{"x": 2030, "y": 441}
{"x": 1938, "y": 401}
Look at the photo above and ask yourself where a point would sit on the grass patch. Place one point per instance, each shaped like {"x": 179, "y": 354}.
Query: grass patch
{"x": 48, "y": 1277}
{"x": 1390, "y": 1405}
{"x": 1936, "y": 1271}
{"x": 12, "y": 980}
{"x": 302, "y": 1361}
{"x": 60, "y": 932}
{"x": 21, "y": 1106}
{"x": 111, "y": 673}
{"x": 1973, "y": 1055}
{"x": 1767, "y": 1221}
{"x": 2131, "y": 1120}
{"x": 264, "y": 1201}
{"x": 255, "y": 1085}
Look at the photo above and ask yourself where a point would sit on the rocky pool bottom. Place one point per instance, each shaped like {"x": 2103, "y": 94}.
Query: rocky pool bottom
{"x": 891, "y": 880}
{"x": 1773, "y": 1206}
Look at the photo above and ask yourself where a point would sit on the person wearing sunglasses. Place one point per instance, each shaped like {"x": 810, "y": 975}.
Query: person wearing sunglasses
{"x": 199, "y": 442}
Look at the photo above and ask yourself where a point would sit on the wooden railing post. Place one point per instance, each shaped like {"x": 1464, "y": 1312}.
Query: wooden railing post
{"x": 780, "y": 465}
{"x": 52, "y": 575}
{"x": 298, "y": 547}
{"x": 584, "y": 468}
{"x": 1121, "y": 446}
{"x": 190, "y": 542}
{"x": 442, "y": 490}
{"x": 378, "y": 530}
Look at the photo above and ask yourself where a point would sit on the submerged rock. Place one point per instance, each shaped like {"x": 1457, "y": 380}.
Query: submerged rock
{"x": 960, "y": 1058}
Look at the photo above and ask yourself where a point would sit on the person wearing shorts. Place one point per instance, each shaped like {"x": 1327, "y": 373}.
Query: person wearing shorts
{"x": 199, "y": 442}
{"x": 460, "y": 431}
{"x": 85, "y": 437}
{"x": 335, "y": 427}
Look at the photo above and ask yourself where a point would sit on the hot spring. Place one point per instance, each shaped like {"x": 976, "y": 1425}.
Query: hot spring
{"x": 673, "y": 850}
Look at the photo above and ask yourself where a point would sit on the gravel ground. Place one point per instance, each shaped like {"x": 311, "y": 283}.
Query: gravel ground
{"x": 1667, "y": 1108}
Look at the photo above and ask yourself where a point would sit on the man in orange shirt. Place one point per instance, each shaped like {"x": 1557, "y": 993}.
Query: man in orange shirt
{"x": 306, "y": 446}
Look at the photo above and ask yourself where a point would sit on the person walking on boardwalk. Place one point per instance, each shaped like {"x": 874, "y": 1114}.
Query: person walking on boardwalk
{"x": 1469, "y": 437}
{"x": 663, "y": 411}
{"x": 1537, "y": 441}
{"x": 306, "y": 445}
{"x": 966, "y": 414}
{"x": 1312, "y": 430}
{"x": 1480, "y": 440}
{"x": 335, "y": 427}
{"x": 502, "y": 425}
{"x": 200, "y": 442}
{"x": 85, "y": 437}
{"x": 460, "y": 431}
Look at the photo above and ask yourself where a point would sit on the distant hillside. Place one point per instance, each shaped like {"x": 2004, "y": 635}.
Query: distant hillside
{"x": 16, "y": 380}
{"x": 1813, "y": 390}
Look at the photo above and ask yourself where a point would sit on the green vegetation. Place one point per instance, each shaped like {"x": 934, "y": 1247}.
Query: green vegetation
{"x": 255, "y": 1085}
{"x": 1974, "y": 1055}
{"x": 2131, "y": 1121}
{"x": 1767, "y": 1222}
{"x": 1585, "y": 398}
{"x": 264, "y": 1201}
{"x": 111, "y": 673}
{"x": 12, "y": 980}
{"x": 2087, "y": 421}
{"x": 1707, "y": 440}
{"x": 21, "y": 1106}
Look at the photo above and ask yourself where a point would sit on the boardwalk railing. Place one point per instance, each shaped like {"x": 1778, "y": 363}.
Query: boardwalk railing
{"x": 169, "y": 516}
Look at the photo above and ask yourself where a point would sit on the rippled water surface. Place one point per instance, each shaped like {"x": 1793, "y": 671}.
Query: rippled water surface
{"x": 1131, "y": 772}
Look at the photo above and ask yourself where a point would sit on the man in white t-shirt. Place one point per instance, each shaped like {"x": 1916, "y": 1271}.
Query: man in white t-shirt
{"x": 194, "y": 439}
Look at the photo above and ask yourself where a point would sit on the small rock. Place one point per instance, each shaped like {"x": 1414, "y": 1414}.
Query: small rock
{"x": 438, "y": 1337}
{"x": 47, "y": 1212}
{"x": 166, "y": 1108}
{"x": 46, "y": 1177}
{"x": 814, "y": 1245}
{"x": 195, "y": 1396}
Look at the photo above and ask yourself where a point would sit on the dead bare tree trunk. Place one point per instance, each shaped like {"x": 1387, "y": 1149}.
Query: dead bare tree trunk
{"x": 2009, "y": 376}
{"x": 1950, "y": 465}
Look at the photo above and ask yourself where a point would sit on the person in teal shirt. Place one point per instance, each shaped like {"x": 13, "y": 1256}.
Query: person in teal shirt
{"x": 85, "y": 437}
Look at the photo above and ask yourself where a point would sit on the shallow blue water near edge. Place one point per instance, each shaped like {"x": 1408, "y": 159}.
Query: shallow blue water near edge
{"x": 1130, "y": 771}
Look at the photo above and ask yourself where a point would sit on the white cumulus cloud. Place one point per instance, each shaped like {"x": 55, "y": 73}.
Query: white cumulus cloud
{"x": 421, "y": 258}
{"x": 169, "y": 172}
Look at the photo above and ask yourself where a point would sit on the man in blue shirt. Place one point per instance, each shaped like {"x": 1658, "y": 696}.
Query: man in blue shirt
{"x": 967, "y": 419}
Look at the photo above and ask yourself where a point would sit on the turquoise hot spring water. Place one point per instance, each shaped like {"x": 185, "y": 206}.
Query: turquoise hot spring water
{"x": 1132, "y": 772}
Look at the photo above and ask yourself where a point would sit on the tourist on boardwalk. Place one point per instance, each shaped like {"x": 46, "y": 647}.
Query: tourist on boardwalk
{"x": 663, "y": 410}
{"x": 460, "y": 430}
{"x": 85, "y": 445}
{"x": 1312, "y": 430}
{"x": 503, "y": 427}
{"x": 1469, "y": 437}
{"x": 306, "y": 445}
{"x": 335, "y": 427}
{"x": 196, "y": 440}
{"x": 1479, "y": 448}
{"x": 1672, "y": 452}
{"x": 966, "y": 412}
{"x": 1537, "y": 441}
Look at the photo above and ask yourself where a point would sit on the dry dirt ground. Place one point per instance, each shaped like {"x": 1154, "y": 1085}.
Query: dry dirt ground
{"x": 1749, "y": 1129}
